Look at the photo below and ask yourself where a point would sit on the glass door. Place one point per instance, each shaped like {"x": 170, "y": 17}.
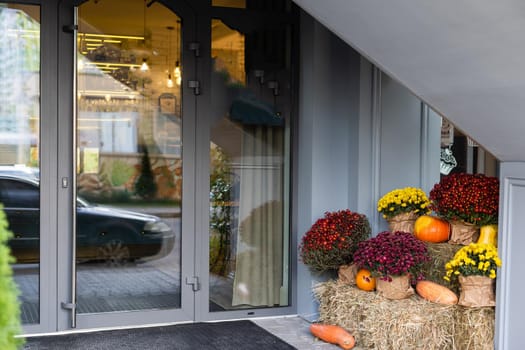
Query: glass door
{"x": 134, "y": 241}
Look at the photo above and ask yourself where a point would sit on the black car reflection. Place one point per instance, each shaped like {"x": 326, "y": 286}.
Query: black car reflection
{"x": 103, "y": 233}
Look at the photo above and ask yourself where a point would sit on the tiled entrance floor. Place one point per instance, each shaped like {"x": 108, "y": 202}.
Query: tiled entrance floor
{"x": 295, "y": 331}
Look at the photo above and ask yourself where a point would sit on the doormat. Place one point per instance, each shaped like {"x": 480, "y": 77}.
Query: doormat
{"x": 231, "y": 335}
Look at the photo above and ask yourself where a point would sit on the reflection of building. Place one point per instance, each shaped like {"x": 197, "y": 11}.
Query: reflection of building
{"x": 20, "y": 89}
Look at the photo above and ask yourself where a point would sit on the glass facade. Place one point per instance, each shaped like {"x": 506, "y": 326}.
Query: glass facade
{"x": 19, "y": 147}
{"x": 248, "y": 266}
{"x": 129, "y": 157}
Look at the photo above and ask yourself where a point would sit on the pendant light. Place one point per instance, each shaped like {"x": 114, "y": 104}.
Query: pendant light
{"x": 176, "y": 71}
{"x": 169, "y": 82}
{"x": 144, "y": 66}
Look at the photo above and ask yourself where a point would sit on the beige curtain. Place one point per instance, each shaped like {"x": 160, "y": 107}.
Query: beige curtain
{"x": 259, "y": 257}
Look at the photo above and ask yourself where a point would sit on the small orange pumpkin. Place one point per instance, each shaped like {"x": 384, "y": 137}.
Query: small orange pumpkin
{"x": 431, "y": 229}
{"x": 365, "y": 281}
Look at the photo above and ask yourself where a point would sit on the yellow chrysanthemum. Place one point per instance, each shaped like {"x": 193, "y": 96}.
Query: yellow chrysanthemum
{"x": 402, "y": 201}
{"x": 473, "y": 259}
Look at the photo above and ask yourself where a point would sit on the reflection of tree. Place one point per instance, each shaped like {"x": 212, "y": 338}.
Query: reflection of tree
{"x": 145, "y": 186}
{"x": 221, "y": 211}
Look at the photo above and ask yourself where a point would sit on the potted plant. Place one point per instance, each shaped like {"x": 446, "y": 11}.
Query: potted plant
{"x": 467, "y": 201}
{"x": 475, "y": 267}
{"x": 402, "y": 206}
{"x": 332, "y": 240}
{"x": 396, "y": 259}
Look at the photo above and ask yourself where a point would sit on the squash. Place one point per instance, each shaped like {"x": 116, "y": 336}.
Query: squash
{"x": 436, "y": 293}
{"x": 333, "y": 334}
{"x": 365, "y": 281}
{"x": 488, "y": 234}
{"x": 431, "y": 229}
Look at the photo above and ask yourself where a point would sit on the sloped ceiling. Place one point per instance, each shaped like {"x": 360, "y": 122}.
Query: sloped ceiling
{"x": 466, "y": 59}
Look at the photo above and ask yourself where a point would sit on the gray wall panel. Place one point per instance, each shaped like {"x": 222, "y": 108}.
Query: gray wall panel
{"x": 510, "y": 329}
{"x": 355, "y": 139}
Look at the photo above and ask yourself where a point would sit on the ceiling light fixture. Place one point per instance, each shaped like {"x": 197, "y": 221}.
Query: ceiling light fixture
{"x": 169, "y": 82}
{"x": 176, "y": 71}
{"x": 144, "y": 67}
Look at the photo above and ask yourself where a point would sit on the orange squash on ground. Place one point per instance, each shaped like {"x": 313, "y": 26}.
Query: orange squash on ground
{"x": 436, "y": 293}
{"x": 333, "y": 334}
{"x": 365, "y": 281}
{"x": 431, "y": 229}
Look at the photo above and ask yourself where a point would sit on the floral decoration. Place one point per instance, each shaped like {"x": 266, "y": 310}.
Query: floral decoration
{"x": 403, "y": 200}
{"x": 473, "y": 259}
{"x": 472, "y": 198}
{"x": 392, "y": 254}
{"x": 332, "y": 240}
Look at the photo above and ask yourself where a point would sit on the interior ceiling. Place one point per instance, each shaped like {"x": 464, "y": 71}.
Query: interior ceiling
{"x": 464, "y": 58}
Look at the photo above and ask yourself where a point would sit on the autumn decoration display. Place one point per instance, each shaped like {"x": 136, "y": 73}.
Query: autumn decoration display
{"x": 332, "y": 240}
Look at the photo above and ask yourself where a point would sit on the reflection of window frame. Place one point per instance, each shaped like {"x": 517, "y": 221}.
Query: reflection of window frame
{"x": 167, "y": 104}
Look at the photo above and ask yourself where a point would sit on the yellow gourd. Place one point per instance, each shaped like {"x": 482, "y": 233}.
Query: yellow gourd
{"x": 488, "y": 234}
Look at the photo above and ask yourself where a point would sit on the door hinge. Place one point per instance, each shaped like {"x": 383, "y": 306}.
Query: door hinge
{"x": 194, "y": 283}
{"x": 195, "y": 85}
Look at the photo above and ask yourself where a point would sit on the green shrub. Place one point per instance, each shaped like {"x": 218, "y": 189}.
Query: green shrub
{"x": 9, "y": 305}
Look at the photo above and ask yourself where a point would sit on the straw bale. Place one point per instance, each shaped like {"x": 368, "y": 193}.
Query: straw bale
{"x": 479, "y": 324}
{"x": 434, "y": 270}
{"x": 412, "y": 323}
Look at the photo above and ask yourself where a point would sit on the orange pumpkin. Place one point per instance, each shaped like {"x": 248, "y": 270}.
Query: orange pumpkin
{"x": 431, "y": 229}
{"x": 333, "y": 334}
{"x": 365, "y": 281}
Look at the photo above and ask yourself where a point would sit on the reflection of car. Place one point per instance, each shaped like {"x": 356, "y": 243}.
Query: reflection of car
{"x": 20, "y": 170}
{"x": 103, "y": 233}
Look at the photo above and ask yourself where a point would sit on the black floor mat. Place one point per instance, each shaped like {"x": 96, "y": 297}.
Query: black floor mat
{"x": 233, "y": 335}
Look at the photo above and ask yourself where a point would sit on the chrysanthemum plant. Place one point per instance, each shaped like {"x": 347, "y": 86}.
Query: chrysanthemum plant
{"x": 473, "y": 260}
{"x": 392, "y": 254}
{"x": 403, "y": 200}
{"x": 332, "y": 240}
{"x": 472, "y": 198}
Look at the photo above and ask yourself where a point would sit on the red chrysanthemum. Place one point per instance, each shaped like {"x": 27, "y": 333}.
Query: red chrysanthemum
{"x": 332, "y": 240}
{"x": 467, "y": 197}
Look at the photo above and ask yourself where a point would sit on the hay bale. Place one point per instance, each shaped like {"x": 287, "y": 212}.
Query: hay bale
{"x": 441, "y": 253}
{"x": 412, "y": 323}
{"x": 474, "y": 328}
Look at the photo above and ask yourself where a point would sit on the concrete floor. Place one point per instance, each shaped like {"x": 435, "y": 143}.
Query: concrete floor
{"x": 295, "y": 331}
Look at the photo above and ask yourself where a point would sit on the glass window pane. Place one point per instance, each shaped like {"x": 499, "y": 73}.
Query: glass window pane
{"x": 19, "y": 146}
{"x": 129, "y": 168}
{"x": 247, "y": 189}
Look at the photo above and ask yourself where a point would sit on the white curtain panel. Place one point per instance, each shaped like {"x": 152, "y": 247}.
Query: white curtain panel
{"x": 259, "y": 261}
